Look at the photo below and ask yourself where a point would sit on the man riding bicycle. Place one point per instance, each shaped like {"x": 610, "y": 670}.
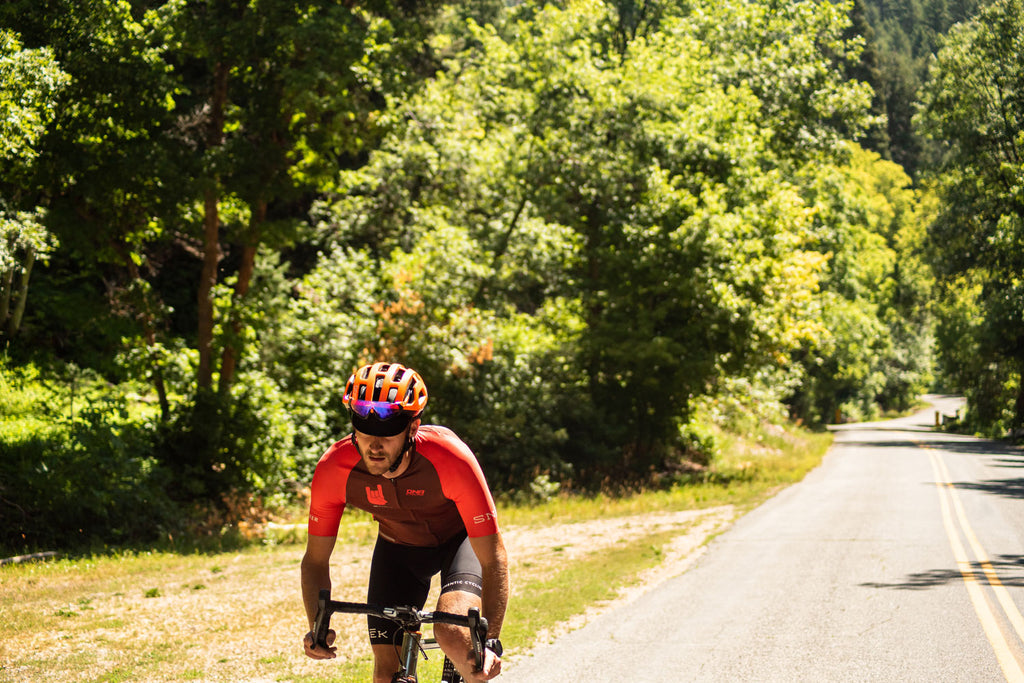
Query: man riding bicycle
{"x": 435, "y": 513}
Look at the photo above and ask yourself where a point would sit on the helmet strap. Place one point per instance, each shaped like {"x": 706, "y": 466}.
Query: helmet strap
{"x": 398, "y": 462}
{"x": 410, "y": 441}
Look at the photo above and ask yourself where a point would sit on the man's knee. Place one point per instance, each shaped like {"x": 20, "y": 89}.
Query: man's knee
{"x": 457, "y": 602}
{"x": 454, "y": 602}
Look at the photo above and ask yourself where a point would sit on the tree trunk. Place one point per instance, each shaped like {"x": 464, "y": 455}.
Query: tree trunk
{"x": 211, "y": 233}
{"x": 5, "y": 296}
{"x": 14, "y": 324}
{"x": 211, "y": 257}
{"x": 149, "y": 332}
{"x": 232, "y": 349}
{"x": 1018, "y": 412}
{"x": 229, "y": 359}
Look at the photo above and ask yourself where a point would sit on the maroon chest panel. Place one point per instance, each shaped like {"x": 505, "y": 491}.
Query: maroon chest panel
{"x": 411, "y": 509}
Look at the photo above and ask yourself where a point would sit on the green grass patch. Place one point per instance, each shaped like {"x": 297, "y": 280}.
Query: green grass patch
{"x": 549, "y": 602}
{"x": 116, "y": 676}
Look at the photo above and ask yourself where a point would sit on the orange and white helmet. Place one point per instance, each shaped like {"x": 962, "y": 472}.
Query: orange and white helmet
{"x": 384, "y": 398}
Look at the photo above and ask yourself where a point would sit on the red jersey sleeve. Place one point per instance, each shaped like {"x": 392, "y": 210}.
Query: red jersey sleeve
{"x": 327, "y": 492}
{"x": 463, "y": 482}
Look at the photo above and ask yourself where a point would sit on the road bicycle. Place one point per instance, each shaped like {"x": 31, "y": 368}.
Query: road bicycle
{"x": 409, "y": 620}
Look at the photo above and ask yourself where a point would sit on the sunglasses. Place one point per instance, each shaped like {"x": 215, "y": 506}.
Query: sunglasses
{"x": 382, "y": 409}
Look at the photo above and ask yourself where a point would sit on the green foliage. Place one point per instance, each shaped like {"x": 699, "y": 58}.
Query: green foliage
{"x": 647, "y": 172}
{"x": 29, "y": 83}
{"x": 216, "y": 444}
{"x": 794, "y": 57}
{"x": 599, "y": 233}
{"x": 973, "y": 108}
{"x": 874, "y": 351}
{"x": 905, "y": 35}
{"x": 77, "y": 478}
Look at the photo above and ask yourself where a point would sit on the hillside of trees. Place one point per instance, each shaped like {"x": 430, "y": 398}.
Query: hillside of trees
{"x": 598, "y": 229}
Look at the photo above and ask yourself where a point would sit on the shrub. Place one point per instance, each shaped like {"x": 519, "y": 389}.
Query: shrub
{"x": 82, "y": 483}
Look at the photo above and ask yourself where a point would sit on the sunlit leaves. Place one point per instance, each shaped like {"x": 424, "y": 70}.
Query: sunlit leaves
{"x": 792, "y": 56}
{"x": 29, "y": 82}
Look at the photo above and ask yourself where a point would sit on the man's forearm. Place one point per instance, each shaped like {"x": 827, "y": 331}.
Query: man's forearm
{"x": 313, "y": 579}
{"x": 494, "y": 600}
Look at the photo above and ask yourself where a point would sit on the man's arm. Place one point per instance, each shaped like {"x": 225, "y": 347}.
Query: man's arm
{"x": 316, "y": 572}
{"x": 490, "y": 550}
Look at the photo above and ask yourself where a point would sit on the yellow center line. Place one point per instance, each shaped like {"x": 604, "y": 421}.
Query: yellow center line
{"x": 1003, "y": 595}
{"x": 948, "y": 498}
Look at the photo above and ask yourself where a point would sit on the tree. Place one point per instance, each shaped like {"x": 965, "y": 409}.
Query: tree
{"x": 906, "y": 34}
{"x": 279, "y": 94}
{"x": 30, "y": 80}
{"x": 794, "y": 57}
{"x": 639, "y": 177}
{"x": 109, "y": 175}
{"x": 974, "y": 109}
{"x": 204, "y": 129}
{"x": 875, "y": 289}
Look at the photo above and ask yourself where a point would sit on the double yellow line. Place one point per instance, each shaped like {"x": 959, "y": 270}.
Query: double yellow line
{"x": 953, "y": 515}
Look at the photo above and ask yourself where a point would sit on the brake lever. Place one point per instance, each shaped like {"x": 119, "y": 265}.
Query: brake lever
{"x": 322, "y": 622}
{"x": 477, "y": 633}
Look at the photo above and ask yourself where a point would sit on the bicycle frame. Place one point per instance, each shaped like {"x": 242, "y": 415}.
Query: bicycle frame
{"x": 409, "y": 619}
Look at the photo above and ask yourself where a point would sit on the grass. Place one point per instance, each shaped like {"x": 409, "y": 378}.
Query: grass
{"x": 237, "y": 616}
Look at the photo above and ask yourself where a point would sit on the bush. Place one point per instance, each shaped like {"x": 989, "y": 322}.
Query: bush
{"x": 82, "y": 482}
{"x": 215, "y": 445}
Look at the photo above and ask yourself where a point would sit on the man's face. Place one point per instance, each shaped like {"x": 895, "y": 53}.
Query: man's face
{"x": 379, "y": 453}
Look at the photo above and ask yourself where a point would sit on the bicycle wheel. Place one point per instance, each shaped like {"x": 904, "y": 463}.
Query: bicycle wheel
{"x": 449, "y": 674}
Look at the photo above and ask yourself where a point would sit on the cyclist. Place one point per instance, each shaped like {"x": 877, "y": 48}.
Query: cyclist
{"x": 435, "y": 514}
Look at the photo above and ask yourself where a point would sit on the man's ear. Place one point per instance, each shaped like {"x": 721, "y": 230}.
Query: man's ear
{"x": 413, "y": 427}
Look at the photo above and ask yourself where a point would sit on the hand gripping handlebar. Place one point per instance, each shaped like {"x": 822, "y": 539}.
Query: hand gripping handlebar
{"x": 409, "y": 618}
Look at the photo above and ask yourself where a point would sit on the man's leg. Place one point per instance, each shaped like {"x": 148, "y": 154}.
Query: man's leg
{"x": 385, "y": 663}
{"x": 461, "y": 588}
{"x": 399, "y": 575}
{"x": 455, "y": 640}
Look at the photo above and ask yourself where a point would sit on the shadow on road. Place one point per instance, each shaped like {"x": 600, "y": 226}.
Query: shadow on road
{"x": 1008, "y": 568}
{"x": 1007, "y": 488}
{"x": 1014, "y": 455}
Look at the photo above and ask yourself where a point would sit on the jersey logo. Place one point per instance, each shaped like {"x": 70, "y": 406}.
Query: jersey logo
{"x": 376, "y": 496}
{"x": 481, "y": 519}
{"x": 415, "y": 492}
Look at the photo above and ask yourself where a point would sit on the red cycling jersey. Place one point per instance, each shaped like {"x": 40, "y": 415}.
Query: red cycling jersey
{"x": 442, "y": 492}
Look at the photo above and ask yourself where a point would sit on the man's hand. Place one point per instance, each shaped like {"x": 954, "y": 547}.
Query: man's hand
{"x": 319, "y": 652}
{"x": 492, "y": 666}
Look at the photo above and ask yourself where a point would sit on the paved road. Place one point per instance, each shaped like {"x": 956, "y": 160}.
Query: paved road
{"x": 901, "y": 558}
